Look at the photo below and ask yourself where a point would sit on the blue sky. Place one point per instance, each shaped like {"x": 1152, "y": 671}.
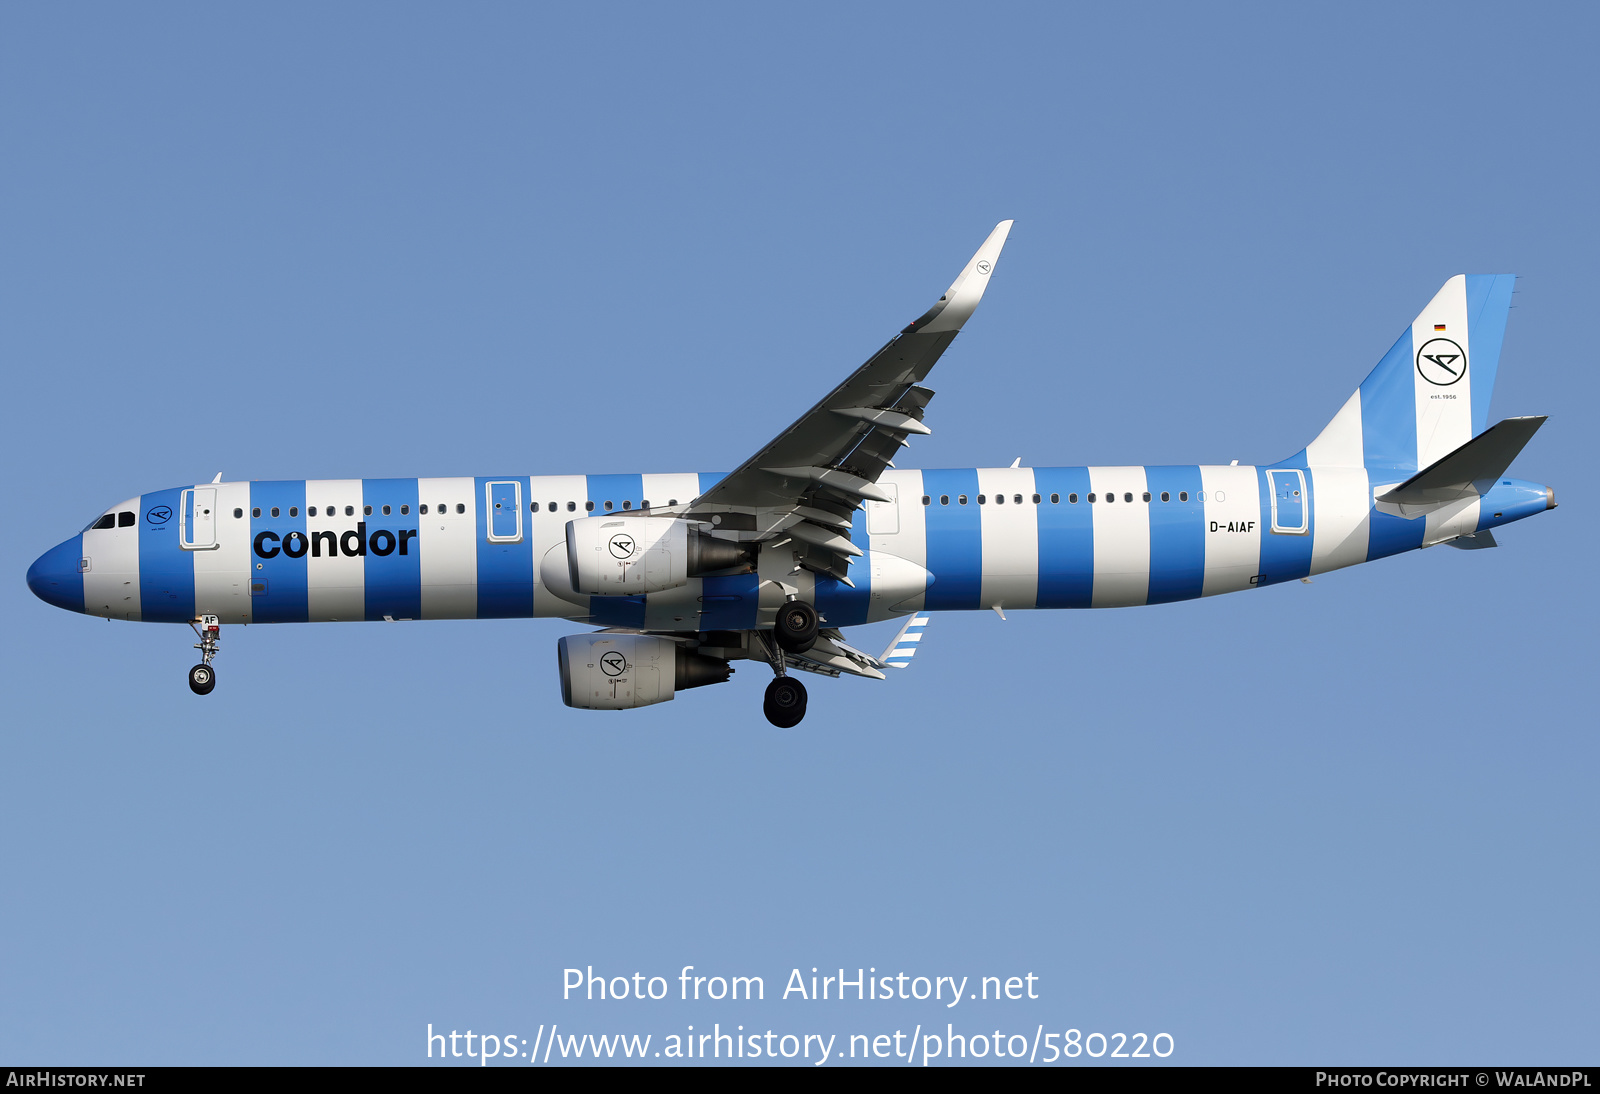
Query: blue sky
{"x": 1350, "y": 822}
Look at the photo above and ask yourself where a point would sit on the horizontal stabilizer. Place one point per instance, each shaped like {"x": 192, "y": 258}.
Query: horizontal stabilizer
{"x": 1477, "y": 541}
{"x": 904, "y": 646}
{"x": 1471, "y": 469}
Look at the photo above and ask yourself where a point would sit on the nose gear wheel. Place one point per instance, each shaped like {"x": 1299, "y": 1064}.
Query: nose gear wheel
{"x": 202, "y": 678}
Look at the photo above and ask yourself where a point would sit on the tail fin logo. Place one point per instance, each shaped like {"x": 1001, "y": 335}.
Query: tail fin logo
{"x": 1441, "y": 362}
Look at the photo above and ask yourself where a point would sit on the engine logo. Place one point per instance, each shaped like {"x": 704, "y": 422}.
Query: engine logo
{"x": 1441, "y": 362}
{"x": 622, "y": 545}
{"x": 984, "y": 267}
{"x": 613, "y": 663}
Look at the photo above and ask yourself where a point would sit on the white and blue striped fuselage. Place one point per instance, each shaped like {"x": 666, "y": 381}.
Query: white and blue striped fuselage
{"x": 479, "y": 548}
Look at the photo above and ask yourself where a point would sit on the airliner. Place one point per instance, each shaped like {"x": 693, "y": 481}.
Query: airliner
{"x": 681, "y": 575}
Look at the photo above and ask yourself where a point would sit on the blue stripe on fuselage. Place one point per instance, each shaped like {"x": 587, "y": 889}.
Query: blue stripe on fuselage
{"x": 708, "y": 479}
{"x": 1066, "y": 537}
{"x": 166, "y": 571}
{"x": 505, "y": 570}
{"x": 1285, "y": 556}
{"x": 838, "y": 603}
{"x": 392, "y": 577}
{"x": 1177, "y": 534}
{"x": 955, "y": 540}
{"x": 284, "y": 599}
{"x": 728, "y": 603}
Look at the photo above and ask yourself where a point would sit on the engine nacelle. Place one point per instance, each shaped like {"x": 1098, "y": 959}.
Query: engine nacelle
{"x": 630, "y": 555}
{"x": 620, "y": 671}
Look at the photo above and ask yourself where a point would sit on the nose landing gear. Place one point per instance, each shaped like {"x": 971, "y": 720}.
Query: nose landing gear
{"x": 202, "y": 678}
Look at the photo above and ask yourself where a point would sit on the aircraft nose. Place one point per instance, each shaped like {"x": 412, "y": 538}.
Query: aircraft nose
{"x": 54, "y": 576}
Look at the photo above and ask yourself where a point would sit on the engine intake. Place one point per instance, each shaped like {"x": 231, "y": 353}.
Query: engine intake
{"x": 620, "y": 671}
{"x": 630, "y": 555}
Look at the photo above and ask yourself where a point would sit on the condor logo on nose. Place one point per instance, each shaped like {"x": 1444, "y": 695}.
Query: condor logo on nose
{"x": 351, "y": 544}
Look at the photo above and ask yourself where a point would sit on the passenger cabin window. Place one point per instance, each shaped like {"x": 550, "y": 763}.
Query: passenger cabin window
{"x": 962, "y": 498}
{"x": 608, "y": 507}
{"x": 981, "y": 499}
{"x": 255, "y": 511}
{"x": 294, "y": 510}
{"x": 1072, "y": 499}
{"x": 385, "y": 510}
{"x": 1183, "y": 495}
{"x": 926, "y": 499}
{"x": 366, "y": 510}
{"x": 627, "y": 505}
{"x": 1036, "y": 499}
{"x": 1147, "y": 495}
{"x": 1128, "y": 496}
{"x": 1165, "y": 496}
{"x": 1016, "y": 499}
{"x": 126, "y": 520}
{"x": 571, "y": 505}
{"x": 551, "y": 507}
{"x": 999, "y": 499}
{"x": 422, "y": 510}
{"x": 1091, "y": 499}
{"x": 588, "y": 507}
{"x": 274, "y": 510}
{"x": 405, "y": 509}
{"x": 1055, "y": 499}
{"x": 238, "y": 513}
{"x": 944, "y": 499}
{"x": 460, "y": 507}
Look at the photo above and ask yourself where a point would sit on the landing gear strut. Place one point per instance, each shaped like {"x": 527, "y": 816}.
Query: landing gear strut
{"x": 785, "y": 701}
{"x": 202, "y": 678}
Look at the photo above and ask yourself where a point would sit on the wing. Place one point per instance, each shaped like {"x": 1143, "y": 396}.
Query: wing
{"x": 807, "y": 481}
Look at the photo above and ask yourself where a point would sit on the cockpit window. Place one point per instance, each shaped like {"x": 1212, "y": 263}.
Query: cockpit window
{"x": 126, "y": 520}
{"x": 107, "y": 521}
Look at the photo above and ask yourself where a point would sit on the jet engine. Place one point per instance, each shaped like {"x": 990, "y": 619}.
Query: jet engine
{"x": 630, "y": 555}
{"x": 619, "y": 671}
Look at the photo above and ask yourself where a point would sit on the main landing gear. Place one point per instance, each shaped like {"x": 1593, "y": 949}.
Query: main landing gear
{"x": 202, "y": 678}
{"x": 796, "y": 626}
{"x": 794, "y": 631}
{"x": 785, "y": 702}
